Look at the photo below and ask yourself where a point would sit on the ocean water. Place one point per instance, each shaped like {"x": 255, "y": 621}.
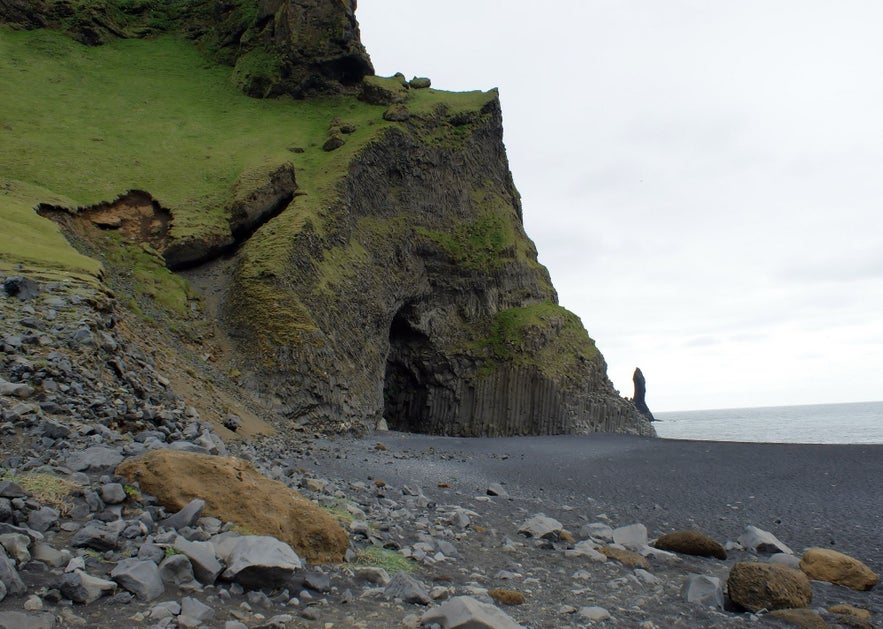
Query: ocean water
{"x": 860, "y": 422}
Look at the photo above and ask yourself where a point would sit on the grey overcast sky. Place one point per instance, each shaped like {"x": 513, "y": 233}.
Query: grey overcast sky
{"x": 703, "y": 178}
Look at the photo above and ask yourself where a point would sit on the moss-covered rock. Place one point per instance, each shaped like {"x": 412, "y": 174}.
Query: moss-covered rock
{"x": 769, "y": 586}
{"x": 396, "y": 113}
{"x": 334, "y": 142}
{"x": 806, "y": 618}
{"x": 379, "y": 90}
{"x": 419, "y": 83}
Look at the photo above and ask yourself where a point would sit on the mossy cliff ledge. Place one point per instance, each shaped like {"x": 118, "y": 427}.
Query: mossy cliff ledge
{"x": 415, "y": 295}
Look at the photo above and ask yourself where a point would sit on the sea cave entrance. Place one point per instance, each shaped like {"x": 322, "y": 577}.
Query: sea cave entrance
{"x": 409, "y": 377}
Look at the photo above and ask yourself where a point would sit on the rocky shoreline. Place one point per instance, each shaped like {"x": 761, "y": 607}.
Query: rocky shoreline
{"x": 507, "y": 533}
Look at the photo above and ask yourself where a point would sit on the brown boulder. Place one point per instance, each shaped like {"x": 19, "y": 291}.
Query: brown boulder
{"x": 234, "y": 491}
{"x": 625, "y": 557}
{"x": 824, "y": 564}
{"x": 851, "y": 616}
{"x": 691, "y": 543}
{"x": 844, "y": 609}
{"x": 770, "y": 586}
{"x": 806, "y": 618}
{"x": 507, "y": 597}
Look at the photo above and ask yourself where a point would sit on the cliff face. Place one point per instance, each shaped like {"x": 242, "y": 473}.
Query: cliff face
{"x": 374, "y": 259}
{"x": 419, "y": 298}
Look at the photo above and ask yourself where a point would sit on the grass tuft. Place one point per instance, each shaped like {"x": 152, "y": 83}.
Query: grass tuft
{"x": 29, "y": 239}
{"x": 339, "y": 512}
{"x": 391, "y": 561}
{"x": 45, "y": 488}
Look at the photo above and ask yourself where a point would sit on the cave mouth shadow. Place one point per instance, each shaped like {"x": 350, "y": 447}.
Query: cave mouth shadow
{"x": 409, "y": 377}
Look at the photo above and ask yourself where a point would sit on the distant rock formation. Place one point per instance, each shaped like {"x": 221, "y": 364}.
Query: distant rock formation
{"x": 640, "y": 394}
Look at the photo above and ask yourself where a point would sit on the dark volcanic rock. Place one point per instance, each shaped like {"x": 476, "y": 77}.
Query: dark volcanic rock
{"x": 439, "y": 317}
{"x": 258, "y": 560}
{"x": 299, "y": 47}
{"x": 334, "y": 142}
{"x": 260, "y": 195}
{"x": 97, "y": 536}
{"x": 24, "y": 13}
{"x": 9, "y": 576}
{"x": 23, "y": 620}
{"x": 21, "y": 287}
{"x": 141, "y": 578}
{"x": 640, "y": 394}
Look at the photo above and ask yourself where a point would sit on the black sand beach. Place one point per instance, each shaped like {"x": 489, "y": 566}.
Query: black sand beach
{"x": 807, "y": 495}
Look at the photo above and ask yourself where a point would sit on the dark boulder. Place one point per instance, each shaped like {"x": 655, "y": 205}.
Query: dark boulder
{"x": 21, "y": 287}
{"x": 691, "y": 543}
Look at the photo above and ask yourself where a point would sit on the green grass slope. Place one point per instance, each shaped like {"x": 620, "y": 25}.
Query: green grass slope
{"x": 91, "y": 123}
{"x": 31, "y": 241}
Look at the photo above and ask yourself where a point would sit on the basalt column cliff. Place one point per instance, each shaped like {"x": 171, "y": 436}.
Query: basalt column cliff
{"x": 376, "y": 264}
{"x": 418, "y": 297}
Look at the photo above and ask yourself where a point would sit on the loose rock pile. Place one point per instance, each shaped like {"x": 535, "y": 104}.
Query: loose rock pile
{"x": 112, "y": 513}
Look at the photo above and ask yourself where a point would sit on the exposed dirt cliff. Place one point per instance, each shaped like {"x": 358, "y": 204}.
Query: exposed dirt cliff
{"x": 359, "y": 258}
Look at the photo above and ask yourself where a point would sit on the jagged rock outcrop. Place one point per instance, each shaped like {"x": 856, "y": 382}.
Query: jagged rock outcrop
{"x": 294, "y": 47}
{"x": 641, "y": 394}
{"x": 416, "y": 296}
{"x": 24, "y": 13}
{"x": 299, "y": 47}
